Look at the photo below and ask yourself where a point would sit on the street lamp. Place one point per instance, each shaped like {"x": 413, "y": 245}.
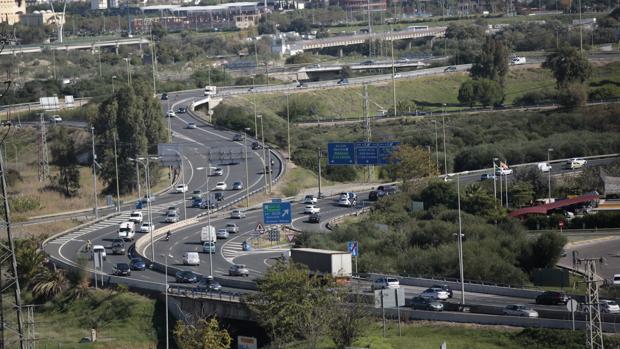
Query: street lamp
{"x": 147, "y": 165}
{"x": 247, "y": 173}
{"x": 207, "y": 169}
{"x": 549, "y": 159}
{"x": 495, "y": 180}
{"x": 445, "y": 152}
{"x": 460, "y": 235}
{"x": 128, "y": 73}
{"x": 166, "y": 292}
{"x": 436, "y": 146}
{"x": 262, "y": 131}
{"x": 92, "y": 133}
{"x": 113, "y": 78}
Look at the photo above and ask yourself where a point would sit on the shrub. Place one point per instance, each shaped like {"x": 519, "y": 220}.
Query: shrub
{"x": 573, "y": 95}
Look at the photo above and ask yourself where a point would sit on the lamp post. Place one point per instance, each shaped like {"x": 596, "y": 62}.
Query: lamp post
{"x": 288, "y": 127}
{"x": 148, "y": 194}
{"x": 128, "y": 73}
{"x": 549, "y": 159}
{"x": 113, "y": 78}
{"x": 262, "y": 131}
{"x": 247, "y": 172}
{"x": 207, "y": 169}
{"x": 460, "y": 234}
{"x": 92, "y": 133}
{"x": 494, "y": 180}
{"x": 445, "y": 152}
{"x": 166, "y": 292}
{"x": 118, "y": 192}
{"x": 436, "y": 146}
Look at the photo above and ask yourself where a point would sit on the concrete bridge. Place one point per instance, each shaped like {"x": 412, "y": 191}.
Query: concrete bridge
{"x": 116, "y": 43}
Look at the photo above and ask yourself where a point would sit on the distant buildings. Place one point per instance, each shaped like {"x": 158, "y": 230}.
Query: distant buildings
{"x": 10, "y": 11}
{"x": 363, "y": 5}
{"x": 98, "y": 4}
{"x": 39, "y": 18}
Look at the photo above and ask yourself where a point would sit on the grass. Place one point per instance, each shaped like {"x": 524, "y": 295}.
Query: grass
{"x": 297, "y": 179}
{"x": 429, "y": 93}
{"x": 122, "y": 319}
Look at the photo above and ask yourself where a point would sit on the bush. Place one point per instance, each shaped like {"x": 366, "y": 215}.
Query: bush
{"x": 536, "y": 98}
{"x": 573, "y": 95}
{"x": 601, "y": 94}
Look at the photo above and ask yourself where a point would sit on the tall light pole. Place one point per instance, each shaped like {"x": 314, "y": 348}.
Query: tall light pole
{"x": 288, "y": 127}
{"x": 460, "y": 236}
{"x": 166, "y": 292}
{"x": 494, "y": 180}
{"x": 256, "y": 116}
{"x": 207, "y": 170}
{"x": 148, "y": 194}
{"x": 262, "y": 131}
{"x": 548, "y": 160}
{"x": 393, "y": 78}
{"x": 118, "y": 191}
{"x": 436, "y": 146}
{"x": 92, "y": 133}
{"x": 128, "y": 73}
{"x": 247, "y": 172}
{"x": 113, "y": 78}
{"x": 445, "y": 152}
{"x": 183, "y": 179}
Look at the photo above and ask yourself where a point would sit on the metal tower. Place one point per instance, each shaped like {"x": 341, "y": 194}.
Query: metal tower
{"x": 594, "y": 331}
{"x": 44, "y": 164}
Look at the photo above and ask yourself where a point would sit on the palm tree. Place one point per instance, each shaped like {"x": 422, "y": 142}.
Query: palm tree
{"x": 30, "y": 259}
{"x": 48, "y": 283}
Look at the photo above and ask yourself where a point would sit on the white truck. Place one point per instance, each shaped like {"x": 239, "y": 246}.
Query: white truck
{"x": 127, "y": 230}
{"x": 207, "y": 234}
{"x": 518, "y": 60}
{"x": 210, "y": 90}
{"x": 325, "y": 262}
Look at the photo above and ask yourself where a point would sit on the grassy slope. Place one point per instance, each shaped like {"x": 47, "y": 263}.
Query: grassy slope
{"x": 429, "y": 92}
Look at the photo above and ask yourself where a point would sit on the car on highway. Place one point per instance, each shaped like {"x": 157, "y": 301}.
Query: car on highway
{"x": 310, "y": 200}
{"x": 220, "y": 186}
{"x": 55, "y": 119}
{"x": 237, "y": 137}
{"x": 487, "y": 176}
{"x": 208, "y": 247}
{"x": 256, "y": 145}
{"x": 435, "y": 293}
{"x": 425, "y": 303}
{"x": 387, "y": 189}
{"x": 445, "y": 288}
{"x": 314, "y": 218}
{"x": 170, "y": 210}
{"x": 237, "y": 214}
{"x": 311, "y": 209}
{"x": 164, "y": 96}
{"x": 136, "y": 217}
{"x": 121, "y": 269}
{"x": 191, "y": 258}
{"x": 182, "y": 110}
{"x": 397, "y": 75}
{"x": 238, "y": 270}
{"x": 343, "y": 82}
{"x": 237, "y": 185}
{"x": 503, "y": 171}
{"x": 369, "y": 62}
{"x": 616, "y": 280}
{"x": 185, "y": 277}
{"x": 181, "y": 188}
{"x": 301, "y": 85}
{"x": 544, "y": 167}
{"x": 450, "y": 69}
{"x": 609, "y": 306}
{"x": 345, "y": 202}
{"x": 197, "y": 194}
{"x": 118, "y": 248}
{"x": 519, "y": 310}
{"x": 148, "y": 198}
{"x": 222, "y": 233}
{"x": 208, "y": 284}
{"x": 100, "y": 250}
{"x": 199, "y": 203}
{"x": 192, "y": 125}
{"x": 137, "y": 264}
{"x": 385, "y": 283}
{"x": 232, "y": 228}
{"x": 218, "y": 172}
{"x": 171, "y": 113}
{"x": 218, "y": 196}
{"x": 552, "y": 298}
{"x": 373, "y": 195}
{"x": 171, "y": 218}
{"x": 575, "y": 163}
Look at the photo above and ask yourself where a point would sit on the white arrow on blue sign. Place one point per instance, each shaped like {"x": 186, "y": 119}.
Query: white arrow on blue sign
{"x": 352, "y": 247}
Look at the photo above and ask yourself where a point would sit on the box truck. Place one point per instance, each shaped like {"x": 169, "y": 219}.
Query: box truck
{"x": 325, "y": 262}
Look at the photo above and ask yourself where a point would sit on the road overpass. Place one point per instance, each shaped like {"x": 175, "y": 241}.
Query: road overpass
{"x": 68, "y": 46}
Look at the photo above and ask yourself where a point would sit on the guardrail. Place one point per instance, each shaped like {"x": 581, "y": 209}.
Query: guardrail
{"x": 334, "y": 221}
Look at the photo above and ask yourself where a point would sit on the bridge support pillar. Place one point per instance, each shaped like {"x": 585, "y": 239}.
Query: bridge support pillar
{"x": 409, "y": 45}
{"x": 340, "y": 53}
{"x": 116, "y": 48}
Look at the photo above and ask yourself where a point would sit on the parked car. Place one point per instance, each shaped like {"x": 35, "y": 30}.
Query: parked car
{"x": 208, "y": 247}
{"x": 519, "y": 310}
{"x": 425, "y": 303}
{"x": 222, "y": 234}
{"x": 310, "y": 200}
{"x": 238, "y": 270}
{"x": 450, "y": 69}
{"x": 192, "y": 125}
{"x": 435, "y": 293}
{"x": 487, "y": 176}
{"x": 237, "y": 137}
{"x": 218, "y": 196}
{"x": 232, "y": 228}
{"x": 238, "y": 214}
{"x": 445, "y": 288}
{"x": 314, "y": 218}
{"x": 552, "y": 297}
{"x": 220, "y": 186}
{"x": 237, "y": 185}
{"x": 181, "y": 188}
{"x": 208, "y": 284}
{"x": 385, "y": 282}
{"x": 137, "y": 264}
{"x": 185, "y": 277}
{"x": 118, "y": 248}
{"x": 121, "y": 269}
{"x": 311, "y": 209}
{"x": 218, "y": 172}
{"x": 172, "y": 218}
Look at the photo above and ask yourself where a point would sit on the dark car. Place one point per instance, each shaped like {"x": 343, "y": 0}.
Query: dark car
{"x": 445, "y": 288}
{"x": 314, "y": 218}
{"x": 425, "y": 303}
{"x": 122, "y": 269}
{"x": 218, "y": 196}
{"x": 256, "y": 145}
{"x": 237, "y": 137}
{"x": 182, "y": 110}
{"x": 164, "y": 96}
{"x": 387, "y": 189}
{"x": 208, "y": 284}
{"x": 118, "y": 248}
{"x": 373, "y": 196}
{"x": 137, "y": 264}
{"x": 198, "y": 203}
{"x": 186, "y": 277}
{"x": 552, "y": 297}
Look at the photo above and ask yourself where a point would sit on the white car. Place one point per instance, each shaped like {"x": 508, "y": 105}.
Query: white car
{"x": 544, "y": 167}
{"x": 181, "y": 188}
{"x": 222, "y": 234}
{"x": 147, "y": 227}
{"x": 232, "y": 228}
{"x": 55, "y": 119}
{"x": 519, "y": 310}
{"x": 576, "y": 163}
{"x": 218, "y": 172}
{"x": 136, "y": 216}
{"x": 99, "y": 249}
{"x": 311, "y": 209}
{"x": 238, "y": 214}
{"x": 191, "y": 125}
{"x": 171, "y": 114}
{"x": 385, "y": 283}
{"x": 220, "y": 186}
{"x": 608, "y": 306}
{"x": 503, "y": 171}
{"x": 435, "y": 293}
{"x": 310, "y": 199}
{"x": 344, "y": 202}
{"x": 172, "y": 218}
{"x": 616, "y": 279}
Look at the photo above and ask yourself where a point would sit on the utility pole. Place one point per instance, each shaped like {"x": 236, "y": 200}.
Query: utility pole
{"x": 318, "y": 157}
{"x": 436, "y": 146}
{"x": 594, "y": 330}
{"x": 44, "y": 165}
{"x": 445, "y": 152}
{"x": 288, "y": 127}
{"x": 393, "y": 79}
{"x": 118, "y": 191}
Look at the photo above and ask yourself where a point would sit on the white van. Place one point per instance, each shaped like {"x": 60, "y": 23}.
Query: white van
{"x": 544, "y": 167}
{"x": 191, "y": 258}
{"x": 576, "y": 163}
{"x": 127, "y": 230}
{"x": 136, "y": 217}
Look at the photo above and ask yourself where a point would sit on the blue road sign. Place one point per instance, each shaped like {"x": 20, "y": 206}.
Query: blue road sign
{"x": 374, "y": 153}
{"x": 340, "y": 154}
{"x": 277, "y": 213}
{"x": 352, "y": 247}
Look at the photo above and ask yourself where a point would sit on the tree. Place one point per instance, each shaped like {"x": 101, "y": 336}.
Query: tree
{"x": 291, "y": 304}
{"x": 346, "y": 72}
{"x": 29, "y": 258}
{"x": 205, "y": 334}
{"x": 65, "y": 157}
{"x": 409, "y": 162}
{"x": 467, "y": 93}
{"x": 489, "y": 92}
{"x": 349, "y": 322}
{"x": 568, "y": 65}
{"x": 477, "y": 200}
{"x": 48, "y": 283}
{"x": 266, "y": 26}
{"x": 492, "y": 63}
{"x": 300, "y": 25}
{"x": 572, "y": 95}
{"x": 439, "y": 193}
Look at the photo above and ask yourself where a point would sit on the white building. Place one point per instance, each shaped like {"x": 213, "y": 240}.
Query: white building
{"x": 98, "y": 4}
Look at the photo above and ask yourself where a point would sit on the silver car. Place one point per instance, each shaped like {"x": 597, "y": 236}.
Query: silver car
{"x": 172, "y": 218}
{"x": 232, "y": 228}
{"x": 519, "y": 310}
{"x": 238, "y": 270}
